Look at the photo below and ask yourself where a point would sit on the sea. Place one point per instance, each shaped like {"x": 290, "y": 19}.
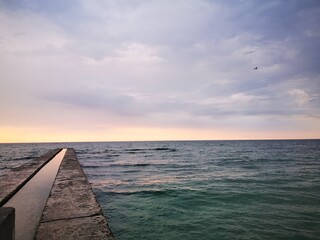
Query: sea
{"x": 266, "y": 189}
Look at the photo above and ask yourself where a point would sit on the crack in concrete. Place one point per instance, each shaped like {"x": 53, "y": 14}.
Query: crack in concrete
{"x": 70, "y": 218}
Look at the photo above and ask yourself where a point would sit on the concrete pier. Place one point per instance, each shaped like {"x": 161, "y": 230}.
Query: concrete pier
{"x": 7, "y": 228}
{"x": 12, "y": 181}
{"x": 71, "y": 210}
{"x": 31, "y": 199}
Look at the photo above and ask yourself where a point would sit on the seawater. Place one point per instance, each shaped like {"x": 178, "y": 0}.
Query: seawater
{"x": 199, "y": 189}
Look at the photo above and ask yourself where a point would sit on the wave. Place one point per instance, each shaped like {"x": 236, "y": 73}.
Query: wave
{"x": 130, "y": 165}
{"x": 141, "y": 165}
{"x": 153, "y": 192}
{"x": 144, "y": 150}
{"x": 142, "y": 192}
{"x": 112, "y": 155}
{"x": 92, "y": 166}
{"x": 117, "y": 152}
{"x": 23, "y": 158}
{"x": 134, "y": 150}
{"x": 165, "y": 149}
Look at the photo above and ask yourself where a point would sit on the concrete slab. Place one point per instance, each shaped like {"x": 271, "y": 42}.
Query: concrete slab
{"x": 78, "y": 228}
{"x": 13, "y": 180}
{"x": 31, "y": 199}
{"x": 71, "y": 195}
{"x": 72, "y": 211}
{"x": 7, "y": 216}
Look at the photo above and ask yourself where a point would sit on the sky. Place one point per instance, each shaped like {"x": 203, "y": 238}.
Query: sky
{"x": 127, "y": 70}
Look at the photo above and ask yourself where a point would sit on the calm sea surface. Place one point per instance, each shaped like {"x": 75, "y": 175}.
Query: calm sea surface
{"x": 201, "y": 189}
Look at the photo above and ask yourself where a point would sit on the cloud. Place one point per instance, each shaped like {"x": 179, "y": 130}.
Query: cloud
{"x": 162, "y": 63}
{"x": 301, "y": 96}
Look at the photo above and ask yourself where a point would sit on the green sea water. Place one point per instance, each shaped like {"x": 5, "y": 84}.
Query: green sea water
{"x": 208, "y": 190}
{"x": 199, "y": 189}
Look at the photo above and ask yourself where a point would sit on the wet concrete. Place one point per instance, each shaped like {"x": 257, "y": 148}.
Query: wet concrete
{"x": 12, "y": 181}
{"x": 7, "y": 217}
{"x": 72, "y": 211}
{"x": 31, "y": 199}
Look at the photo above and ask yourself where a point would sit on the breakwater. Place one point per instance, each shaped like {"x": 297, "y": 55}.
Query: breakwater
{"x": 70, "y": 211}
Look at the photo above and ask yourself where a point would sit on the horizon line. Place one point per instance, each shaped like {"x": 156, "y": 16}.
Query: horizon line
{"x": 185, "y": 140}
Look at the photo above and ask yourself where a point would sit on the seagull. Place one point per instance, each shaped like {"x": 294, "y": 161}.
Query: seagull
{"x": 256, "y": 68}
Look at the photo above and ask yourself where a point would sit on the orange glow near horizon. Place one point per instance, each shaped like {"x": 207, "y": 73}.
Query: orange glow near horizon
{"x": 29, "y": 135}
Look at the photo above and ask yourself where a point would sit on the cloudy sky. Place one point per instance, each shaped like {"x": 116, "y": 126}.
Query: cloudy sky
{"x": 104, "y": 70}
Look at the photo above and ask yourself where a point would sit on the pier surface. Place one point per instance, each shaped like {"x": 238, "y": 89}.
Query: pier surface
{"x": 31, "y": 199}
{"x": 71, "y": 211}
{"x": 12, "y": 181}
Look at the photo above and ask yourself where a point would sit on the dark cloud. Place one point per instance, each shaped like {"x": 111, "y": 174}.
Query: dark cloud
{"x": 40, "y": 6}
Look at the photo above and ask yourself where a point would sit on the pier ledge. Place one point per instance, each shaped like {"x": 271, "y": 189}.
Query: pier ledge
{"x": 71, "y": 210}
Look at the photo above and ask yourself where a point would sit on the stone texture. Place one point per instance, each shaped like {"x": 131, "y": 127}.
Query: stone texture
{"x": 7, "y": 217}
{"x": 13, "y": 180}
{"x": 77, "y": 228}
{"x": 72, "y": 211}
{"x": 71, "y": 195}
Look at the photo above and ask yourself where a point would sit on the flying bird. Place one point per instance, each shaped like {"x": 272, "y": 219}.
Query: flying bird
{"x": 256, "y": 68}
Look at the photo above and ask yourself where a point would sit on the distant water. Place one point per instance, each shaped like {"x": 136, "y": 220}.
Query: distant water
{"x": 201, "y": 189}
